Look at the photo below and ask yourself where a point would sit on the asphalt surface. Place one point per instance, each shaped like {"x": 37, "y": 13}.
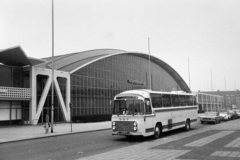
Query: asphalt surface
{"x": 72, "y": 146}
{"x": 210, "y": 142}
{"x": 94, "y": 141}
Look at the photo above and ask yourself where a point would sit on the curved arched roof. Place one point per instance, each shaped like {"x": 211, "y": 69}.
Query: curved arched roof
{"x": 74, "y": 61}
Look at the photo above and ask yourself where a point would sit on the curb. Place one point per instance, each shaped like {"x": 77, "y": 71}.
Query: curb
{"x": 56, "y": 135}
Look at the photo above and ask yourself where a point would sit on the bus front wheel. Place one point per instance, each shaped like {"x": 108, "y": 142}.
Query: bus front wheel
{"x": 157, "y": 131}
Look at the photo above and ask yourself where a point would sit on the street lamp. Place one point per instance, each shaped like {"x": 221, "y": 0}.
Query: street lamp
{"x": 52, "y": 107}
{"x": 70, "y": 105}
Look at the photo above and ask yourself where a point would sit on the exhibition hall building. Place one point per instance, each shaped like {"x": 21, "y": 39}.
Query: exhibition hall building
{"x": 84, "y": 83}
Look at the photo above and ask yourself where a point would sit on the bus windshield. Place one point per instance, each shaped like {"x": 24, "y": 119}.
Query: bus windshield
{"x": 128, "y": 107}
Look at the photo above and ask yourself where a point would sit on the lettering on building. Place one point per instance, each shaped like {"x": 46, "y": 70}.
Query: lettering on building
{"x": 136, "y": 82}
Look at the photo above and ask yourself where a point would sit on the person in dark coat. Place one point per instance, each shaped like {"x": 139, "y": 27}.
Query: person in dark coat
{"x": 47, "y": 123}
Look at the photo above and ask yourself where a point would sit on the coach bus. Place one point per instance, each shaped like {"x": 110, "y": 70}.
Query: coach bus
{"x": 150, "y": 113}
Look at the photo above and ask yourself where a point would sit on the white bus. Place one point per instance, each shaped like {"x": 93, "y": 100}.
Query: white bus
{"x": 150, "y": 113}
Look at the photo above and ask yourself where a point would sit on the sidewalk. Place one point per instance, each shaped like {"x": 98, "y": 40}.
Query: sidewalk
{"x": 18, "y": 133}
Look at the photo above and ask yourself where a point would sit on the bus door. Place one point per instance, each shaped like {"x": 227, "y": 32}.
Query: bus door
{"x": 148, "y": 117}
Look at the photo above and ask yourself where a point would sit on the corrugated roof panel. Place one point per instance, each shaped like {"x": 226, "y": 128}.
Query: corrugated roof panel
{"x": 73, "y": 66}
{"x": 72, "y": 58}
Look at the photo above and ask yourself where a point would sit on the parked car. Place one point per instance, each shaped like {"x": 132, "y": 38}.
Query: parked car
{"x": 233, "y": 114}
{"x": 213, "y": 117}
{"x": 225, "y": 116}
{"x": 238, "y": 113}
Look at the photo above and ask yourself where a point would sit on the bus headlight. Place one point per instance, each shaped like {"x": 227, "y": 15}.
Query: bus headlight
{"x": 113, "y": 125}
{"x": 135, "y": 126}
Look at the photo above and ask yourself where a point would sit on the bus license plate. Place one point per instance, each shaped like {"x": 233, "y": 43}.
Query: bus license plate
{"x": 123, "y": 133}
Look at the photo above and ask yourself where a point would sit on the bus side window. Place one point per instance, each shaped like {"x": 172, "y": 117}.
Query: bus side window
{"x": 159, "y": 101}
{"x": 191, "y": 100}
{"x": 182, "y": 100}
{"x": 175, "y": 100}
{"x": 166, "y": 98}
{"x": 188, "y": 100}
{"x": 148, "y": 109}
{"x": 194, "y": 100}
{"x": 156, "y": 100}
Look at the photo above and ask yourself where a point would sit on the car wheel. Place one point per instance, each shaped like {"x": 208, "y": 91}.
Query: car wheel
{"x": 157, "y": 131}
{"x": 202, "y": 122}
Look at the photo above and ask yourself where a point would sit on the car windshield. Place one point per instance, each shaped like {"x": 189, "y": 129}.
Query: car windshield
{"x": 211, "y": 113}
{"x": 223, "y": 112}
{"x": 128, "y": 107}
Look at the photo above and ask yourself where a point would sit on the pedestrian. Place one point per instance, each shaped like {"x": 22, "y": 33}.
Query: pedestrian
{"x": 47, "y": 123}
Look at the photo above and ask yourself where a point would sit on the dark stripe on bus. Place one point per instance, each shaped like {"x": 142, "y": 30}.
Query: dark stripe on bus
{"x": 149, "y": 130}
{"x": 173, "y": 109}
{"x": 173, "y": 125}
{"x": 169, "y": 126}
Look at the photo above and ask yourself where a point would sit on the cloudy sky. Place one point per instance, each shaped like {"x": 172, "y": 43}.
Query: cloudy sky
{"x": 205, "y": 33}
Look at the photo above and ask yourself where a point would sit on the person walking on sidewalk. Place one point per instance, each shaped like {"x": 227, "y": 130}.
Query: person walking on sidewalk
{"x": 47, "y": 123}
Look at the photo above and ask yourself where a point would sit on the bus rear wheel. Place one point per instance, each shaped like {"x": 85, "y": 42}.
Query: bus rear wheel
{"x": 157, "y": 131}
{"x": 187, "y": 125}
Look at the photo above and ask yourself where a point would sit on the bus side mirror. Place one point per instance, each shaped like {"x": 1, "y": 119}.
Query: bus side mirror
{"x": 154, "y": 113}
{"x": 110, "y": 102}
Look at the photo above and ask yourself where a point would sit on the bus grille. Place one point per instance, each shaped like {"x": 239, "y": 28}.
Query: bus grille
{"x": 124, "y": 126}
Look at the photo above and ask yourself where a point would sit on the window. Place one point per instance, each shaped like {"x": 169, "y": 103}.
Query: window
{"x": 166, "y": 98}
{"x": 175, "y": 100}
{"x": 194, "y": 100}
{"x": 128, "y": 107}
{"x": 182, "y": 100}
{"x": 156, "y": 100}
{"x": 188, "y": 100}
{"x": 148, "y": 109}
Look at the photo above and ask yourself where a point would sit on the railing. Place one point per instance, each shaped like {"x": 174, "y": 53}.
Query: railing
{"x": 15, "y": 93}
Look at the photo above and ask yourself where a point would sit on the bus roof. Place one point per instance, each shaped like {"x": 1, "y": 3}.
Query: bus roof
{"x": 147, "y": 92}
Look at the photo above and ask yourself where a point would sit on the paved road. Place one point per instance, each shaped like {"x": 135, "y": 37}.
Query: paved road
{"x": 206, "y": 141}
{"x": 215, "y": 142}
{"x": 69, "y": 147}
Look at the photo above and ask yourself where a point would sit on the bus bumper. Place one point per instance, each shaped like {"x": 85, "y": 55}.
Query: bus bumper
{"x": 126, "y": 133}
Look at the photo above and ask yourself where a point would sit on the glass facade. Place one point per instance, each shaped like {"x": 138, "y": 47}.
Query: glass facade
{"x": 208, "y": 102}
{"x": 58, "y": 115}
{"x": 14, "y": 111}
{"x": 95, "y": 85}
{"x": 11, "y": 76}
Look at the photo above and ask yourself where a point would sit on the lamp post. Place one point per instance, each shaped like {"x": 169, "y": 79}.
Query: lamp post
{"x": 189, "y": 74}
{"x": 52, "y": 107}
{"x": 70, "y": 105}
{"x": 225, "y": 83}
{"x": 149, "y": 65}
{"x": 211, "y": 80}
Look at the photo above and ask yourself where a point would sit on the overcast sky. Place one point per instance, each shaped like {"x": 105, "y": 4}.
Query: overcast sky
{"x": 207, "y": 32}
